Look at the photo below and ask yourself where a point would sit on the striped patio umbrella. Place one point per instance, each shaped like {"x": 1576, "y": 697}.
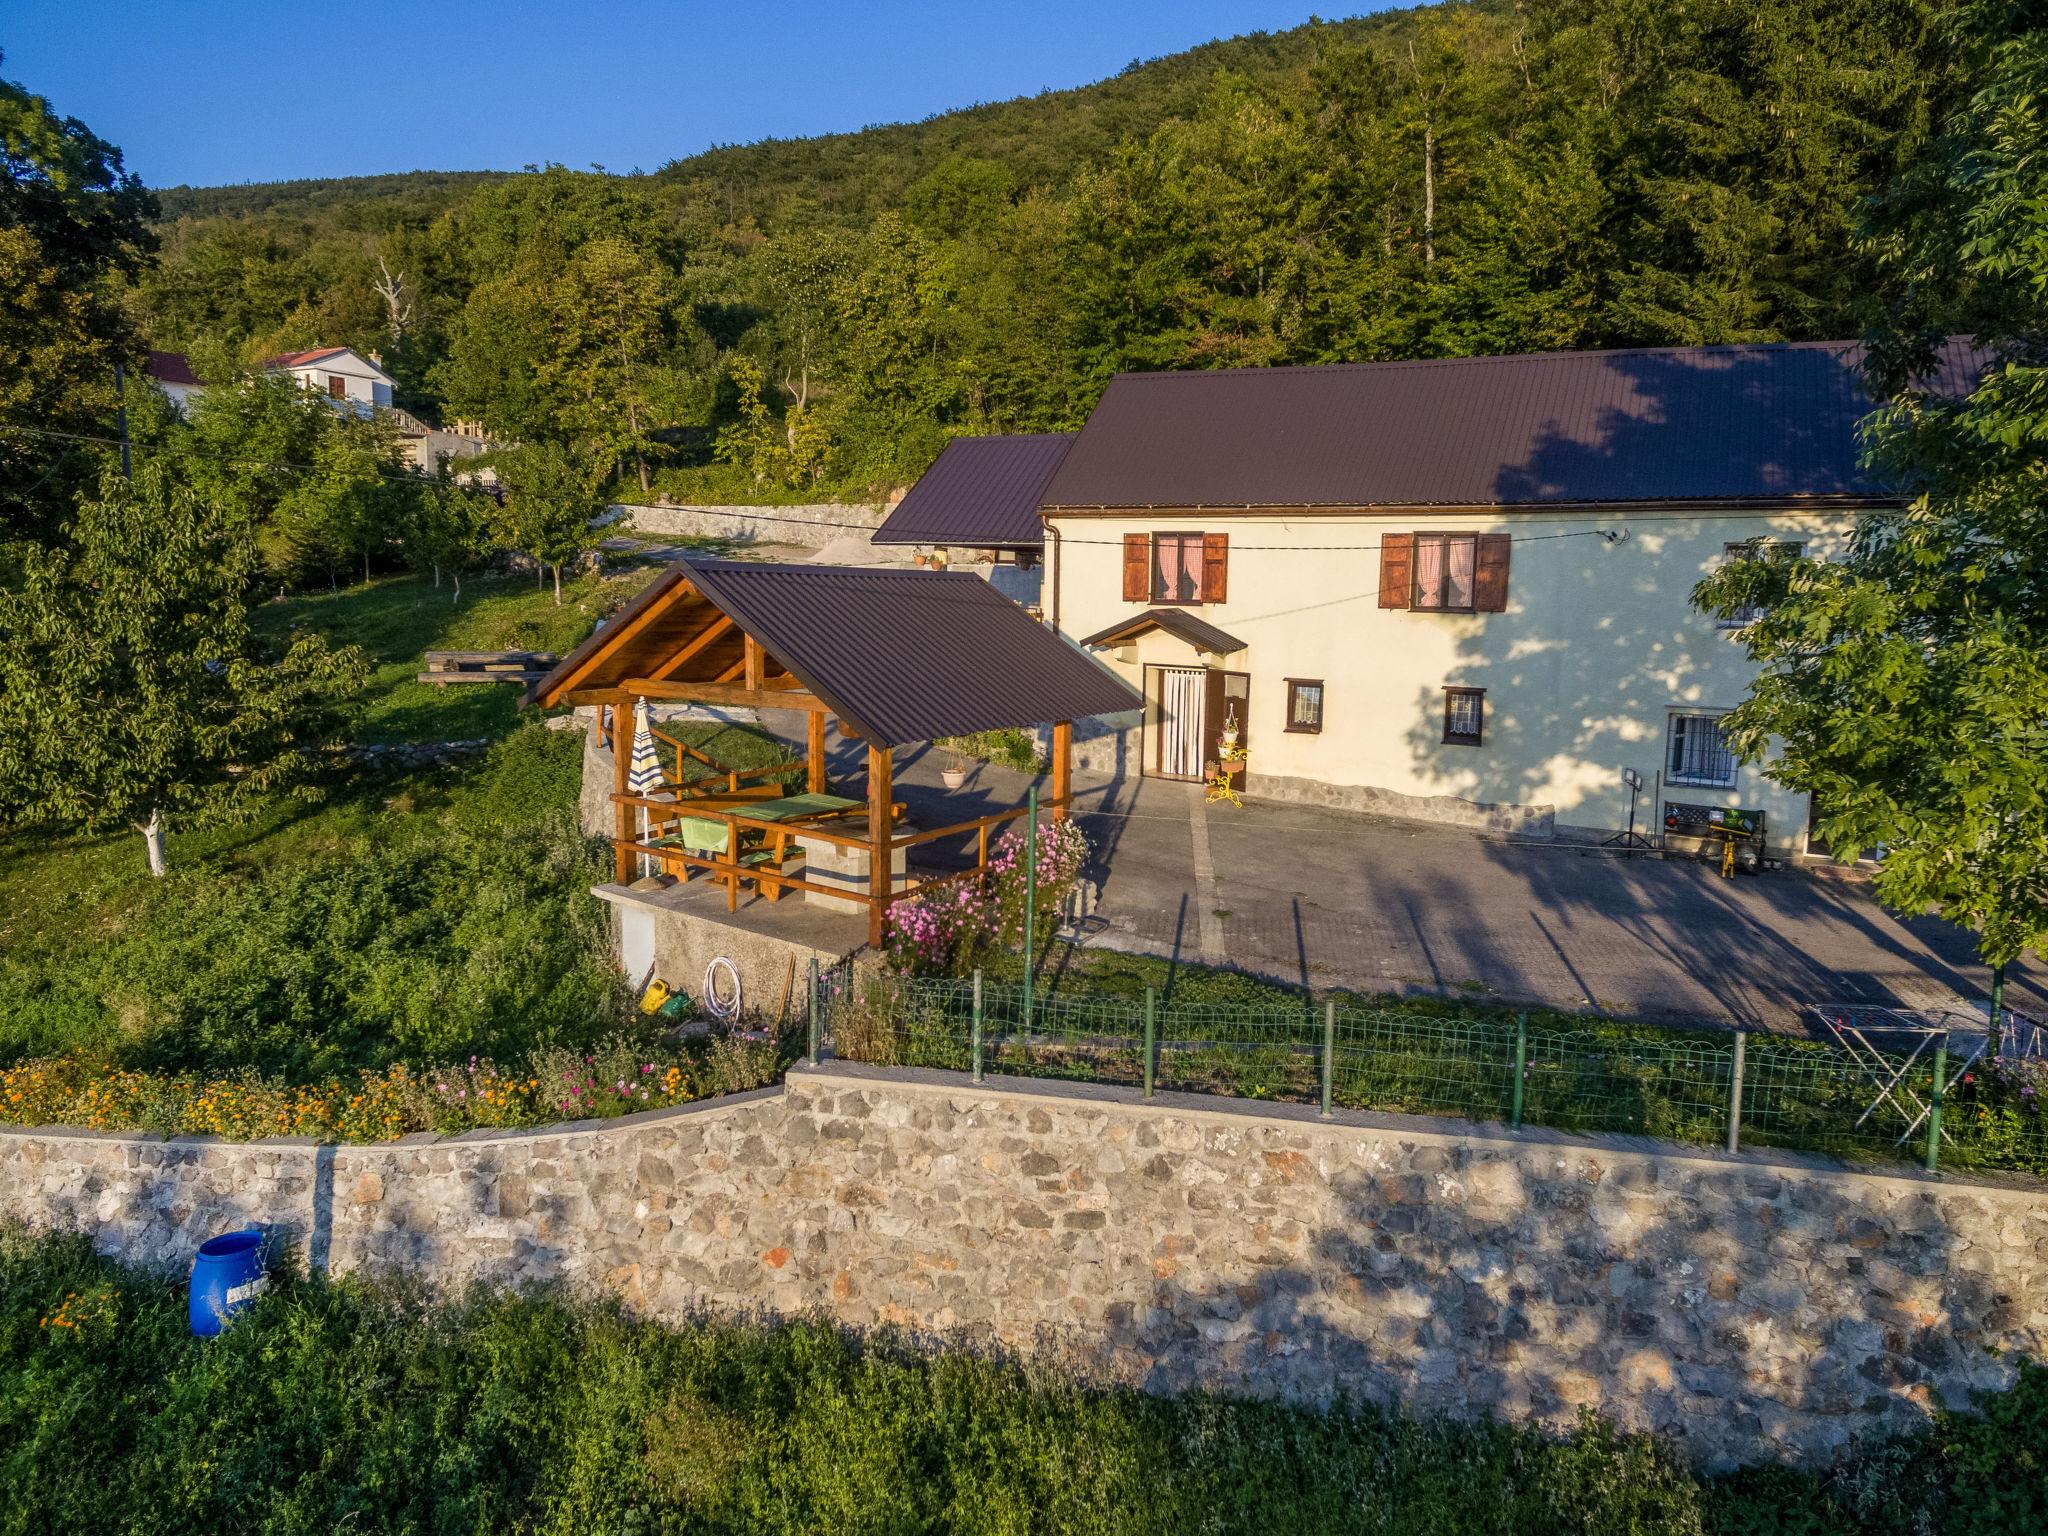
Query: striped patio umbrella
{"x": 643, "y": 774}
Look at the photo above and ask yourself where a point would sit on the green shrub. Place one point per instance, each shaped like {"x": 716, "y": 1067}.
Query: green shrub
{"x": 453, "y": 943}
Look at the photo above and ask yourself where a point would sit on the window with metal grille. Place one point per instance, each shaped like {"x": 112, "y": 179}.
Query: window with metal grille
{"x": 1445, "y": 565}
{"x": 1699, "y": 752}
{"x": 1304, "y": 705}
{"x": 1464, "y": 716}
{"x": 1751, "y": 550}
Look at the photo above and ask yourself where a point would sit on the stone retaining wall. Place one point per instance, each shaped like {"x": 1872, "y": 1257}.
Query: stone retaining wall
{"x": 1755, "y": 1308}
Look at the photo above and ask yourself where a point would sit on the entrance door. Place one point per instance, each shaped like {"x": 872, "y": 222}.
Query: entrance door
{"x": 1229, "y": 703}
{"x": 1181, "y": 703}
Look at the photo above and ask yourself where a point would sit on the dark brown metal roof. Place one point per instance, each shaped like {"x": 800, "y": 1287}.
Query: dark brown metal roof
{"x": 901, "y": 655}
{"x": 1679, "y": 424}
{"x": 1178, "y": 622}
{"x": 980, "y": 491}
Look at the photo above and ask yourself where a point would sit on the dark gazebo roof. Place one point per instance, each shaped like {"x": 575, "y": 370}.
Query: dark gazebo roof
{"x": 899, "y": 655}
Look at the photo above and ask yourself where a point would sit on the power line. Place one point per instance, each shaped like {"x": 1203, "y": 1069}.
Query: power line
{"x": 421, "y": 481}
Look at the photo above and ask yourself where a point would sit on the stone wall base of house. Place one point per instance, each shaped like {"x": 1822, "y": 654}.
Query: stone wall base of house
{"x": 1529, "y": 821}
{"x": 1753, "y": 1307}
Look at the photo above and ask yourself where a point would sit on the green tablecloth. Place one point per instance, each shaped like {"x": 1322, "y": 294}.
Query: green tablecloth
{"x": 700, "y": 834}
{"x": 796, "y": 807}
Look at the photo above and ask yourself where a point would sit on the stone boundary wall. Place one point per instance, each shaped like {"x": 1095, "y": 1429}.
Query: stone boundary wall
{"x": 1753, "y": 1307}
{"x": 748, "y": 524}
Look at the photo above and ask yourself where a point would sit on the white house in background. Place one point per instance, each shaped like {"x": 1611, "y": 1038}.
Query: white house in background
{"x": 350, "y": 381}
{"x": 172, "y": 373}
{"x": 342, "y": 374}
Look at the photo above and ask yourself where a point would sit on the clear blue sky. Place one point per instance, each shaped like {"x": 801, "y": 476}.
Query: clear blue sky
{"x": 211, "y": 91}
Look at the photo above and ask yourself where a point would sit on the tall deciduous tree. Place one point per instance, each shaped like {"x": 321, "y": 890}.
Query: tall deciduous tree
{"x": 1908, "y": 685}
{"x": 553, "y": 495}
{"x": 133, "y": 688}
{"x": 73, "y": 223}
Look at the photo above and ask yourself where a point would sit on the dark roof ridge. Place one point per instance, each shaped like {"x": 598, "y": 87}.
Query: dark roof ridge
{"x": 1490, "y": 358}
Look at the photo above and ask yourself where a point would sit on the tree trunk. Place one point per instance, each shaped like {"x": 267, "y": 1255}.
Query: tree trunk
{"x": 455, "y": 575}
{"x": 645, "y": 485}
{"x": 366, "y": 567}
{"x": 558, "y": 583}
{"x": 1428, "y": 191}
{"x": 437, "y": 573}
{"x": 152, "y": 832}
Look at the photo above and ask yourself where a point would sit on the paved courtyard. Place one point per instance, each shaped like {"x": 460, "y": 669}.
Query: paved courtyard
{"x": 1333, "y": 898}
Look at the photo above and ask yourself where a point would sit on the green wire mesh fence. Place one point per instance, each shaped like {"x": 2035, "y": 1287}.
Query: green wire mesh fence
{"x": 1669, "y": 1084}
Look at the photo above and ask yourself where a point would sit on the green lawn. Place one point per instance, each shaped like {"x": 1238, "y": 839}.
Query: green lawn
{"x": 346, "y": 1408}
{"x": 392, "y": 916}
{"x": 398, "y": 618}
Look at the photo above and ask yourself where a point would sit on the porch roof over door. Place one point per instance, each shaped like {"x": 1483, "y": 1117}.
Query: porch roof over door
{"x": 899, "y": 656}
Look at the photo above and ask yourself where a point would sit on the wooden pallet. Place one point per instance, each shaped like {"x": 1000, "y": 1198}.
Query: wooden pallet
{"x": 445, "y": 667}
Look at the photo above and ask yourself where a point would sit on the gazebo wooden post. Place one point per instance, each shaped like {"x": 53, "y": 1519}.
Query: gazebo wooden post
{"x": 814, "y": 751}
{"x": 1062, "y": 767}
{"x": 622, "y": 762}
{"x": 880, "y": 787}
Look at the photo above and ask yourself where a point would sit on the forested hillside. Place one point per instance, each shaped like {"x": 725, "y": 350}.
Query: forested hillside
{"x": 797, "y": 318}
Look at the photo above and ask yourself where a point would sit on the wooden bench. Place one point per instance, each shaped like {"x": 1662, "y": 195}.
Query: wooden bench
{"x": 444, "y": 667}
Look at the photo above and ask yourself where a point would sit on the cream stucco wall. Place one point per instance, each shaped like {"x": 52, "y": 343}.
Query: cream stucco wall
{"x": 1599, "y": 645}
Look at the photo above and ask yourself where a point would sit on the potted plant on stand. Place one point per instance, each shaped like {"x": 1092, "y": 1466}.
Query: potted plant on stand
{"x": 954, "y": 768}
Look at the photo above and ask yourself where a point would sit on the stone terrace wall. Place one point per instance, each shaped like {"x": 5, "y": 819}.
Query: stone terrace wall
{"x": 1754, "y": 1308}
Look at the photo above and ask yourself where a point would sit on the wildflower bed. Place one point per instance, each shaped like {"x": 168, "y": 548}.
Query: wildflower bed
{"x": 378, "y": 1105}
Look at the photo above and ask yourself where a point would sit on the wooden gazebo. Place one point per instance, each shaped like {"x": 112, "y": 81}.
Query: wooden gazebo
{"x": 895, "y": 656}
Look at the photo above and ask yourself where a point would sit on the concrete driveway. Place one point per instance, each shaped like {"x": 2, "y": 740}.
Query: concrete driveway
{"x": 1331, "y": 898}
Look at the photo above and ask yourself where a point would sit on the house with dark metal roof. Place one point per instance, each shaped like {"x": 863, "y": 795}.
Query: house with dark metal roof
{"x": 1457, "y": 590}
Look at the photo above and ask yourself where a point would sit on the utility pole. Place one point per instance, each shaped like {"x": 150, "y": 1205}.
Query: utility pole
{"x": 121, "y": 417}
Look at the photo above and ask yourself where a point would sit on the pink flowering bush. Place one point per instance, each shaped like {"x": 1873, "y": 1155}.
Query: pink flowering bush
{"x": 952, "y": 928}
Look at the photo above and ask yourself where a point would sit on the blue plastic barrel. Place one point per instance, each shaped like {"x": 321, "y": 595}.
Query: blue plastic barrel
{"x": 227, "y": 1275}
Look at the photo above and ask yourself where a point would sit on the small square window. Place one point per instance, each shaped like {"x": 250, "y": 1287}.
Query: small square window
{"x": 1445, "y": 571}
{"x": 1304, "y": 705}
{"x": 1699, "y": 753}
{"x": 1755, "y": 550}
{"x": 1464, "y": 716}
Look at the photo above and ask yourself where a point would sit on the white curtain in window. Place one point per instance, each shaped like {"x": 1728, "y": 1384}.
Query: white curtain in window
{"x": 1458, "y": 589}
{"x": 1429, "y": 572}
{"x": 1191, "y": 569}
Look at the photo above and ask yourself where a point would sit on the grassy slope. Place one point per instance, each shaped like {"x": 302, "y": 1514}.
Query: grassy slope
{"x": 60, "y": 892}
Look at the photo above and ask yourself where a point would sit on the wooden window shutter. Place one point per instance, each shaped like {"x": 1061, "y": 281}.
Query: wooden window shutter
{"x": 1397, "y": 569}
{"x": 1137, "y": 567}
{"x": 1215, "y": 567}
{"x": 1490, "y": 585}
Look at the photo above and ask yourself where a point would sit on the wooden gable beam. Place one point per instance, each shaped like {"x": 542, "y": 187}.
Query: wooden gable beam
{"x": 732, "y": 673}
{"x": 752, "y": 662}
{"x": 670, "y": 667}
{"x": 613, "y": 642}
{"x": 725, "y": 693}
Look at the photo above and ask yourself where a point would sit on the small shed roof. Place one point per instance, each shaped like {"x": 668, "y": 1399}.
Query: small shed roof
{"x": 981, "y": 492}
{"x": 1178, "y": 622}
{"x": 899, "y": 655}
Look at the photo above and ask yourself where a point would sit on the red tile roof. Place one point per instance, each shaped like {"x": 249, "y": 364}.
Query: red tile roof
{"x": 303, "y": 359}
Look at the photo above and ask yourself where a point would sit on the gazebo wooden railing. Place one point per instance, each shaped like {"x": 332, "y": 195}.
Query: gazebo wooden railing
{"x": 730, "y": 868}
